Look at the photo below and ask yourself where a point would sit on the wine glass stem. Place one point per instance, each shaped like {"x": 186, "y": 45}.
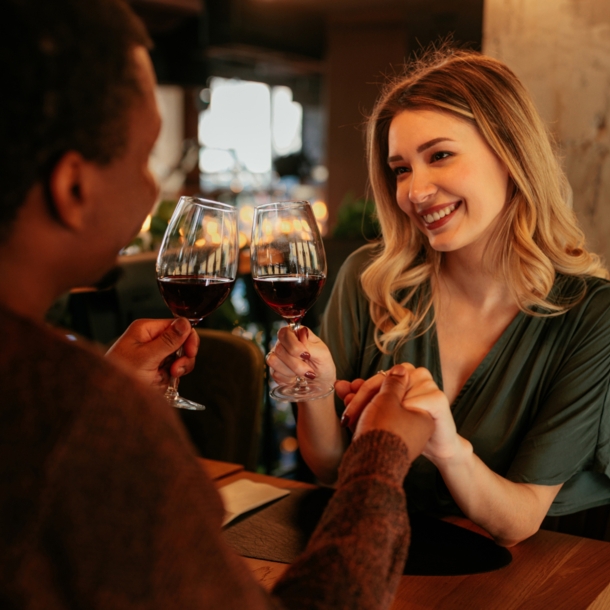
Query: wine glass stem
{"x": 172, "y": 388}
{"x": 295, "y": 326}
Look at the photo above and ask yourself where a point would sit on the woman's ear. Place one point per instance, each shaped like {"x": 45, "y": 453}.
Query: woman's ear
{"x": 69, "y": 190}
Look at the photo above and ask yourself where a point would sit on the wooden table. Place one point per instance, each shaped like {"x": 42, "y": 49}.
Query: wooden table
{"x": 218, "y": 470}
{"x": 549, "y": 571}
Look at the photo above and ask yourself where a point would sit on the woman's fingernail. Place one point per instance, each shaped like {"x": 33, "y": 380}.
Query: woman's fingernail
{"x": 181, "y": 371}
{"x": 344, "y": 420}
{"x": 310, "y": 375}
{"x": 397, "y": 371}
{"x": 306, "y": 332}
{"x": 305, "y": 356}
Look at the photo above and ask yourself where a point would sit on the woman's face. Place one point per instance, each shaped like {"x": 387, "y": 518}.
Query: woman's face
{"x": 448, "y": 180}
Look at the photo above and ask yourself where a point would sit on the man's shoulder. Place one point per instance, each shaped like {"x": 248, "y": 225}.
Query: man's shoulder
{"x": 38, "y": 349}
{"x": 59, "y": 376}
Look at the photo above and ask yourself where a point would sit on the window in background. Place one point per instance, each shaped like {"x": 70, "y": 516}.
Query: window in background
{"x": 246, "y": 126}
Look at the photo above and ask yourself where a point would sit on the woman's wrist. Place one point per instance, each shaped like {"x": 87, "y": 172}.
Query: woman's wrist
{"x": 458, "y": 456}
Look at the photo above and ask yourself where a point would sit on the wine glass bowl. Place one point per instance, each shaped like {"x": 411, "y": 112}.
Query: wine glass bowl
{"x": 288, "y": 267}
{"x": 197, "y": 266}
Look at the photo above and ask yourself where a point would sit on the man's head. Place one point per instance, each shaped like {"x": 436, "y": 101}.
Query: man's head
{"x": 68, "y": 82}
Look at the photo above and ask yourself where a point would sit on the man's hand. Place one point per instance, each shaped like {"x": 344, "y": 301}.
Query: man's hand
{"x": 386, "y": 411}
{"x": 147, "y": 350}
{"x": 421, "y": 393}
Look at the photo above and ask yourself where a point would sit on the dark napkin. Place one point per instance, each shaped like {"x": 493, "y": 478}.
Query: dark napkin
{"x": 280, "y": 531}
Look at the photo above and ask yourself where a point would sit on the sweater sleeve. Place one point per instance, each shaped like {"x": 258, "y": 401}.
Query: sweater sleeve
{"x": 105, "y": 505}
{"x": 357, "y": 553}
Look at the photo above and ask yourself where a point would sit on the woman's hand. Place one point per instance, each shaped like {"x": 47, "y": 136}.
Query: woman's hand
{"x": 422, "y": 393}
{"x": 147, "y": 350}
{"x": 386, "y": 412}
{"x": 300, "y": 355}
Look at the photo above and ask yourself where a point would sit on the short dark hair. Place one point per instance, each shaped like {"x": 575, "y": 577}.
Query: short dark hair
{"x": 68, "y": 83}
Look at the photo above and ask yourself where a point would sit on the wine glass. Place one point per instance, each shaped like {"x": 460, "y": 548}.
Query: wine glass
{"x": 289, "y": 270}
{"x": 196, "y": 266}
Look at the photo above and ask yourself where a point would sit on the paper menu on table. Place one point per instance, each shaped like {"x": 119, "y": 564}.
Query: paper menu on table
{"x": 243, "y": 495}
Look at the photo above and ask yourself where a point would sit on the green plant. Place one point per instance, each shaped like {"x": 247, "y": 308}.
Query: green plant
{"x": 356, "y": 219}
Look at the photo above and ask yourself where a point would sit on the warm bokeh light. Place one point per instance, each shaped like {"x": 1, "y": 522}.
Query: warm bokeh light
{"x": 146, "y": 224}
{"x": 200, "y": 243}
{"x": 243, "y": 240}
{"x": 286, "y": 226}
{"x": 289, "y": 444}
{"x": 212, "y": 228}
{"x": 320, "y": 211}
{"x": 246, "y": 214}
{"x": 216, "y": 239}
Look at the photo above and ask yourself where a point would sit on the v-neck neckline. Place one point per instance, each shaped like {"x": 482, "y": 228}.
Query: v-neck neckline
{"x": 501, "y": 341}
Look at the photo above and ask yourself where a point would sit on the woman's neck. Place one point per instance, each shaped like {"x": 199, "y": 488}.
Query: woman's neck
{"x": 465, "y": 276}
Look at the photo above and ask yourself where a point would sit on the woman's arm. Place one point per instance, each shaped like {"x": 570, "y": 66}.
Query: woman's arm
{"x": 510, "y": 512}
{"x": 322, "y": 442}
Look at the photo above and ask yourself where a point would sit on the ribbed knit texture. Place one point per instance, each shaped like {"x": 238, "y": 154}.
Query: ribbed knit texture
{"x": 103, "y": 504}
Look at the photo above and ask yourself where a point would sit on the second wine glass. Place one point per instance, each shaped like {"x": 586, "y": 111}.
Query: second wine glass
{"x": 288, "y": 266}
{"x": 196, "y": 266}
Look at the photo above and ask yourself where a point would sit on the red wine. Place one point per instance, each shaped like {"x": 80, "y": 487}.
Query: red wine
{"x": 290, "y": 295}
{"x": 194, "y": 297}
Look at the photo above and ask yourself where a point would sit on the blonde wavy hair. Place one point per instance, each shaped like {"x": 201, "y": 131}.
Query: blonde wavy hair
{"x": 537, "y": 234}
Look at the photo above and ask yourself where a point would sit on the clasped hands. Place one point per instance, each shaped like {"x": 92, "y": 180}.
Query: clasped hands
{"x": 421, "y": 394}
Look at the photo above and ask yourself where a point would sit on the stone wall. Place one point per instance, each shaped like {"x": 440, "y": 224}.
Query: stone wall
{"x": 561, "y": 51}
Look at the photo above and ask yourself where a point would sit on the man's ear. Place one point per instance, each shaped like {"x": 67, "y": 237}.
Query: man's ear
{"x": 70, "y": 189}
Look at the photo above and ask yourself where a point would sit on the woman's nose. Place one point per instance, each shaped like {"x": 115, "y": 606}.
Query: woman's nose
{"x": 421, "y": 187}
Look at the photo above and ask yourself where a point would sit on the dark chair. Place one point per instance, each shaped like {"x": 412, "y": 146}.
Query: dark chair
{"x": 591, "y": 523}
{"x": 104, "y": 314}
{"x": 228, "y": 379}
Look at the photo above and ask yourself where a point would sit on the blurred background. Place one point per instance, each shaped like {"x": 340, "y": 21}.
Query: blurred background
{"x": 265, "y": 100}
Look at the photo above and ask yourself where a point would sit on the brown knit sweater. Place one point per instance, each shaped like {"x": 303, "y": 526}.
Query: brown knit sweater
{"x": 104, "y": 505}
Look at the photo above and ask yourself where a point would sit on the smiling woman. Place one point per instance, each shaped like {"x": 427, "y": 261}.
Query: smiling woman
{"x": 481, "y": 280}
{"x": 452, "y": 187}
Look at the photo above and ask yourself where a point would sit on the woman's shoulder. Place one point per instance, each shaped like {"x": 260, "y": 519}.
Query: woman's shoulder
{"x": 580, "y": 288}
{"x": 585, "y": 297}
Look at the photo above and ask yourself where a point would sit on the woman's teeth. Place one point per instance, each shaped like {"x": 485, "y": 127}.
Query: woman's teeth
{"x": 430, "y": 218}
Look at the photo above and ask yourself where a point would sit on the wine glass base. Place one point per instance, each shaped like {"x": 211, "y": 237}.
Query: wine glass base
{"x": 294, "y": 393}
{"x": 183, "y": 403}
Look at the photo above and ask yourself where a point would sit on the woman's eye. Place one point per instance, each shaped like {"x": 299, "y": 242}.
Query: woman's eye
{"x": 400, "y": 170}
{"x": 441, "y": 154}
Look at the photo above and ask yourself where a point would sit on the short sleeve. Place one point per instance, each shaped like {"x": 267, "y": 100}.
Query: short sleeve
{"x": 569, "y": 439}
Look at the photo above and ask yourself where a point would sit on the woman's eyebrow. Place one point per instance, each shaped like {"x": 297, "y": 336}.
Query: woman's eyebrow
{"x": 422, "y": 147}
{"x": 430, "y": 143}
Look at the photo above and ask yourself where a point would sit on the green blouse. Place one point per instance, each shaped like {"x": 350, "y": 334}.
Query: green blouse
{"x": 536, "y": 409}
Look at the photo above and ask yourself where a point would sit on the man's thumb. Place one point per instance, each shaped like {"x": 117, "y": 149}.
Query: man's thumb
{"x": 175, "y": 334}
{"x": 395, "y": 381}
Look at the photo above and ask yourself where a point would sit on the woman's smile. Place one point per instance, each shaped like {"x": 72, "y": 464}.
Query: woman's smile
{"x": 439, "y": 215}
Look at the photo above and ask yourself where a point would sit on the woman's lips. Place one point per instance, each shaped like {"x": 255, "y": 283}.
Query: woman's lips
{"x": 439, "y": 216}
